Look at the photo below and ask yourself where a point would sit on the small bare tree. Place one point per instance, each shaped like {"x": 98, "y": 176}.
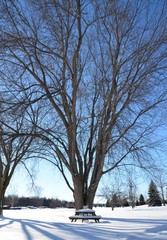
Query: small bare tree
{"x": 132, "y": 192}
{"x": 161, "y": 182}
{"x": 12, "y": 200}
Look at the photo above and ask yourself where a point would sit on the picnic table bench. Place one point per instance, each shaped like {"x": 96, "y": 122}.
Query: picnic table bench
{"x": 85, "y": 214}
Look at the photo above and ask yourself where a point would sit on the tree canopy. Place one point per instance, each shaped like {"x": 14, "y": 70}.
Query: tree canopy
{"x": 94, "y": 73}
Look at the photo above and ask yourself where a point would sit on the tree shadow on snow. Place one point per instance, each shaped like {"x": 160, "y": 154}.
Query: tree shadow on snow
{"x": 47, "y": 230}
{"x": 89, "y": 231}
{"x": 141, "y": 228}
{"x": 44, "y": 228}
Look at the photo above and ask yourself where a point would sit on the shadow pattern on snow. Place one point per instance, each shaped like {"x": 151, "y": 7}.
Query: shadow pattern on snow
{"x": 133, "y": 233}
{"x": 104, "y": 230}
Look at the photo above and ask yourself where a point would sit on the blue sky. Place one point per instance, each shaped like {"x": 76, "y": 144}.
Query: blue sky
{"x": 51, "y": 184}
{"x": 47, "y": 179}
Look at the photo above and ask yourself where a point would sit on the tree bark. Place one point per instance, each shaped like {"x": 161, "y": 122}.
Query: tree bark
{"x": 1, "y": 198}
{"x": 83, "y": 198}
{"x": 78, "y": 193}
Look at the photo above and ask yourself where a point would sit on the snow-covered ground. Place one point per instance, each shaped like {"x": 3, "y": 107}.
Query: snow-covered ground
{"x": 53, "y": 224}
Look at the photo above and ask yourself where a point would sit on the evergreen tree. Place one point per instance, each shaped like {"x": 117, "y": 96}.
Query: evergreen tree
{"x": 137, "y": 203}
{"x": 141, "y": 200}
{"x": 154, "y": 197}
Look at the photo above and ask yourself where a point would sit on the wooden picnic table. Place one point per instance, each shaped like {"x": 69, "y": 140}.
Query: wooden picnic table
{"x": 85, "y": 214}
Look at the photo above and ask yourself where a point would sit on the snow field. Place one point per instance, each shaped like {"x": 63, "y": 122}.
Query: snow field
{"x": 53, "y": 224}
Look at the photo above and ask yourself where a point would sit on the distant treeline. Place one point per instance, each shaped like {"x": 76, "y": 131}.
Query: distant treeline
{"x": 15, "y": 201}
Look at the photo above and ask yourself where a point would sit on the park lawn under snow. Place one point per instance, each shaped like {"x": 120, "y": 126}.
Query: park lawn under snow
{"x": 53, "y": 224}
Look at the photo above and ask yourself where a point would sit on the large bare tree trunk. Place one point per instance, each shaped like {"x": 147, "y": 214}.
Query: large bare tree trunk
{"x": 1, "y": 204}
{"x": 90, "y": 197}
{"x": 83, "y": 198}
{"x": 2, "y": 192}
{"x": 78, "y": 193}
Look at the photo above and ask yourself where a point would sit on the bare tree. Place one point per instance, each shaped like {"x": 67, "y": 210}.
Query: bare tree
{"x": 13, "y": 200}
{"x": 17, "y": 128}
{"x": 132, "y": 192}
{"x": 13, "y": 150}
{"x": 98, "y": 70}
{"x": 161, "y": 181}
{"x": 113, "y": 193}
